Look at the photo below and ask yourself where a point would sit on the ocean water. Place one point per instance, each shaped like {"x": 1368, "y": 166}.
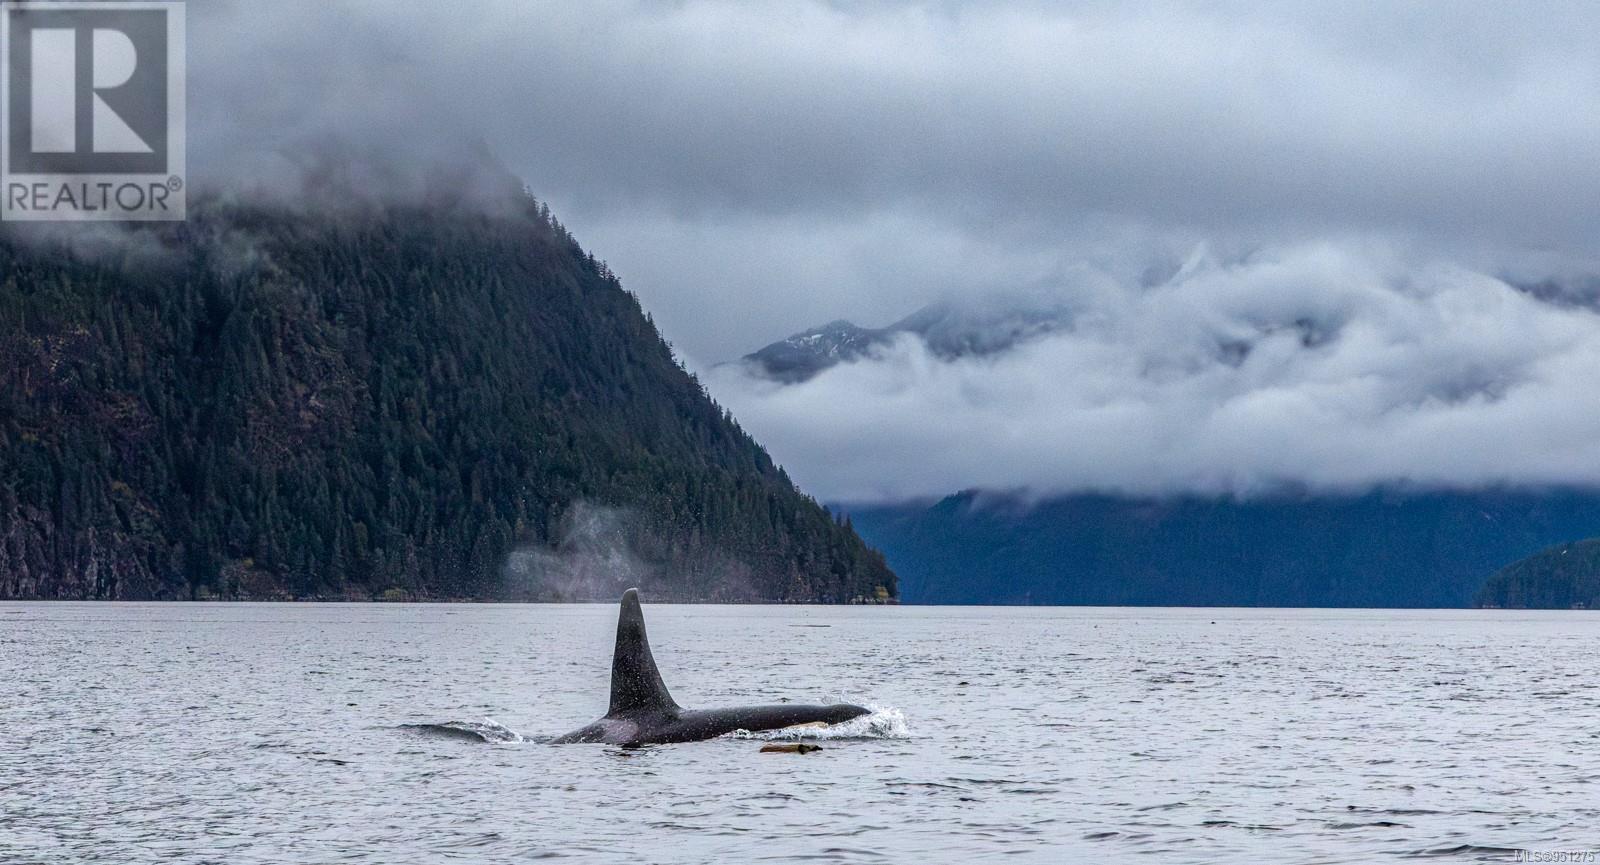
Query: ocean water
{"x": 241, "y": 733}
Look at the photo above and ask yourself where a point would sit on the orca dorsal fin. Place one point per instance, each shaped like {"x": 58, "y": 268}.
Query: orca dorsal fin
{"x": 635, "y": 682}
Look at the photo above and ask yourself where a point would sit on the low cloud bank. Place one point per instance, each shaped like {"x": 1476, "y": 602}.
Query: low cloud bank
{"x": 1332, "y": 367}
{"x": 777, "y": 164}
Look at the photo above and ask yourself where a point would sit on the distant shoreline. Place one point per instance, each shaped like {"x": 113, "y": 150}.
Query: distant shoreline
{"x": 449, "y": 601}
{"x": 712, "y": 602}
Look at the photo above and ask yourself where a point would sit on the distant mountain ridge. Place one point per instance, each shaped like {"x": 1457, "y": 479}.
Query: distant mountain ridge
{"x": 997, "y": 323}
{"x": 1387, "y": 547}
{"x": 949, "y": 331}
{"x": 1383, "y": 549}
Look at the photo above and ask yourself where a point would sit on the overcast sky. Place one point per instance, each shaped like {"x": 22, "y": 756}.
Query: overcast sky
{"x": 751, "y": 169}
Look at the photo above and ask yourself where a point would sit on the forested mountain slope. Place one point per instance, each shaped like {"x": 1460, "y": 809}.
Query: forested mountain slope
{"x": 1562, "y": 577}
{"x": 389, "y": 401}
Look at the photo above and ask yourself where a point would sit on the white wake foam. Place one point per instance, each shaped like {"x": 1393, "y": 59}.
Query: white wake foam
{"x": 489, "y": 730}
{"x": 882, "y": 722}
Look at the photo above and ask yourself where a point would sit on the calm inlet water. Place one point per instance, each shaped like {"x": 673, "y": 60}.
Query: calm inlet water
{"x": 273, "y": 734}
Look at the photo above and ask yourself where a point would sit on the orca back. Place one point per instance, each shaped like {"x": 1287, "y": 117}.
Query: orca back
{"x": 635, "y": 682}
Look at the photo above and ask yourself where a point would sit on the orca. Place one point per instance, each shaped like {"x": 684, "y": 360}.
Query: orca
{"x": 643, "y": 713}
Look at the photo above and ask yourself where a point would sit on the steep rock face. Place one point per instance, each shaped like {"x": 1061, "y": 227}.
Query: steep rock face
{"x": 394, "y": 402}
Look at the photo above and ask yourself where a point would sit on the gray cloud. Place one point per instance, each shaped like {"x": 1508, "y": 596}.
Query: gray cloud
{"x": 751, "y": 168}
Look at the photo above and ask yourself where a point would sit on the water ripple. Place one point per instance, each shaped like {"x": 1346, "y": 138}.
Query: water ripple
{"x": 261, "y": 734}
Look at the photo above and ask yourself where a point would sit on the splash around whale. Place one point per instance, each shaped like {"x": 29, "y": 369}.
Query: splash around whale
{"x": 643, "y": 713}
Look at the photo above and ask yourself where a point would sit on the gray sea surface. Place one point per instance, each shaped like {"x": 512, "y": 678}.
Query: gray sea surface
{"x": 387, "y": 734}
